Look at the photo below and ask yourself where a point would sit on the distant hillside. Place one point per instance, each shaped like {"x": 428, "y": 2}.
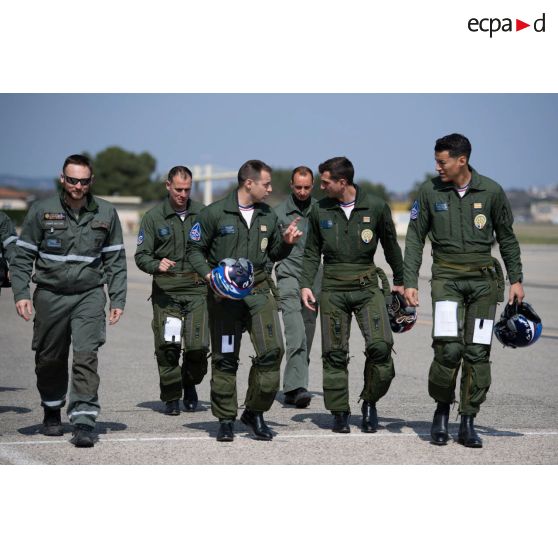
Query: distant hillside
{"x": 24, "y": 183}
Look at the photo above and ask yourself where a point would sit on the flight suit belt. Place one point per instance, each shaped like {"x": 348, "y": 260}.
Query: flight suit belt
{"x": 486, "y": 265}
{"x": 351, "y": 279}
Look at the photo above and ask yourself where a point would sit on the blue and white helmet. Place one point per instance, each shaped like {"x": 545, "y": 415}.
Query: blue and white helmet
{"x": 519, "y": 326}
{"x": 232, "y": 278}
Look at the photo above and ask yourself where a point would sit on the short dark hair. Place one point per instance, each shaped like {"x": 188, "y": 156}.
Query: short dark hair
{"x": 303, "y": 171}
{"x": 455, "y": 144}
{"x": 80, "y": 160}
{"x": 338, "y": 167}
{"x": 179, "y": 171}
{"x": 252, "y": 170}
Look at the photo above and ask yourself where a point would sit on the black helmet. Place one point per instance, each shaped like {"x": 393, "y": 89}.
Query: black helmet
{"x": 401, "y": 317}
{"x": 519, "y": 326}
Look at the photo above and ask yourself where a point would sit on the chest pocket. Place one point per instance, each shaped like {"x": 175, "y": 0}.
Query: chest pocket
{"x": 329, "y": 230}
{"x": 481, "y": 222}
{"x": 55, "y": 237}
{"x": 441, "y": 218}
{"x": 99, "y": 232}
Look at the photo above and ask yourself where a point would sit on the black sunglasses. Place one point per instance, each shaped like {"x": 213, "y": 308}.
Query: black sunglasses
{"x": 74, "y": 181}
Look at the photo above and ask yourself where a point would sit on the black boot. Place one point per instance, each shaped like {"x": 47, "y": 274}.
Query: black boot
{"x": 439, "y": 430}
{"x": 190, "y": 399}
{"x": 83, "y": 436}
{"x": 52, "y": 424}
{"x": 299, "y": 397}
{"x": 172, "y": 408}
{"x": 467, "y": 435}
{"x": 225, "y": 432}
{"x": 255, "y": 421}
{"x": 341, "y": 422}
{"x": 369, "y": 417}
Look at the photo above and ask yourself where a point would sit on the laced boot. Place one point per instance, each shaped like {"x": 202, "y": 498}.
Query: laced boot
{"x": 52, "y": 423}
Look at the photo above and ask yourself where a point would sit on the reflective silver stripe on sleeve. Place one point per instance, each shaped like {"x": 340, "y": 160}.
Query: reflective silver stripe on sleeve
{"x": 113, "y": 248}
{"x": 54, "y": 403}
{"x": 68, "y": 258}
{"x": 74, "y": 413}
{"x": 27, "y": 245}
{"x": 9, "y": 240}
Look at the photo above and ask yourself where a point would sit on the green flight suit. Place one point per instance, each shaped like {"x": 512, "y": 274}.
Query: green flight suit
{"x": 299, "y": 322}
{"x": 221, "y": 232}
{"x": 178, "y": 297}
{"x": 350, "y": 285}
{"x": 467, "y": 282}
{"x": 8, "y": 237}
{"x": 74, "y": 257}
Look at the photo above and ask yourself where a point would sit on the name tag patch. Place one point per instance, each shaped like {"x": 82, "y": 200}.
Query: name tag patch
{"x": 263, "y": 228}
{"x": 54, "y": 243}
{"x": 326, "y": 224}
{"x": 227, "y": 229}
{"x": 440, "y": 206}
{"x": 477, "y": 205}
{"x": 366, "y": 219}
{"x": 164, "y": 231}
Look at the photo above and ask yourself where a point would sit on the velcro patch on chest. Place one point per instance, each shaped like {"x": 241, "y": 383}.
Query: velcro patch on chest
{"x": 54, "y": 243}
{"x": 50, "y": 216}
{"x": 226, "y": 230}
{"x": 163, "y": 231}
{"x": 366, "y": 218}
{"x": 100, "y": 225}
{"x": 326, "y": 224}
{"x": 440, "y": 206}
{"x": 263, "y": 228}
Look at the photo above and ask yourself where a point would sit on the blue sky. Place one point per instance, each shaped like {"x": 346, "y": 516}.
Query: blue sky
{"x": 389, "y": 138}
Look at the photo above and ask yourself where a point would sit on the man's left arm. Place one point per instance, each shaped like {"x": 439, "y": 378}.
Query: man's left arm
{"x": 114, "y": 263}
{"x": 392, "y": 250}
{"x": 502, "y": 220}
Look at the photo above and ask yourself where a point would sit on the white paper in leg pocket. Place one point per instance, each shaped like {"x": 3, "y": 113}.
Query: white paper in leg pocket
{"x": 483, "y": 331}
{"x": 227, "y": 344}
{"x": 445, "y": 318}
{"x": 173, "y": 329}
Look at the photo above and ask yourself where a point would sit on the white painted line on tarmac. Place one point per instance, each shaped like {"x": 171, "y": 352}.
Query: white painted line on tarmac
{"x": 509, "y": 434}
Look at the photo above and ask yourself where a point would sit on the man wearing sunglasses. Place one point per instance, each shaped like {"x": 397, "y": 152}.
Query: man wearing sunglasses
{"x": 74, "y": 241}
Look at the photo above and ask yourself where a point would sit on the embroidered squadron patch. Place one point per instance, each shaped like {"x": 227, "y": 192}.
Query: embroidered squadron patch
{"x": 366, "y": 236}
{"x": 263, "y": 244}
{"x": 141, "y": 236}
{"x": 195, "y": 232}
{"x": 480, "y": 221}
{"x": 415, "y": 211}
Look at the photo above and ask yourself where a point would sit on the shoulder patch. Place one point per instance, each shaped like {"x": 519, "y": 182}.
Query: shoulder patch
{"x": 415, "y": 210}
{"x": 141, "y": 236}
{"x": 195, "y": 232}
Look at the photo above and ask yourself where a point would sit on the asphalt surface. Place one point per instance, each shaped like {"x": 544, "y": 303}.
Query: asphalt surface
{"x": 518, "y": 423}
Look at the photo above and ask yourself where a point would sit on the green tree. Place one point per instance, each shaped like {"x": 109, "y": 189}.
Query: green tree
{"x": 374, "y": 188}
{"x": 412, "y": 195}
{"x": 121, "y": 172}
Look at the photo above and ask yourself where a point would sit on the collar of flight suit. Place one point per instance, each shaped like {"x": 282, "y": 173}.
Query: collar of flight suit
{"x": 361, "y": 200}
{"x": 291, "y": 207}
{"x": 475, "y": 184}
{"x": 90, "y": 206}
{"x": 231, "y": 204}
{"x": 169, "y": 211}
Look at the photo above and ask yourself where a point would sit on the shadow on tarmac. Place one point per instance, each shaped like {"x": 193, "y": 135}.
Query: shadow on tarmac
{"x": 12, "y": 409}
{"x": 4, "y": 388}
{"x": 100, "y": 428}
{"x": 159, "y": 406}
